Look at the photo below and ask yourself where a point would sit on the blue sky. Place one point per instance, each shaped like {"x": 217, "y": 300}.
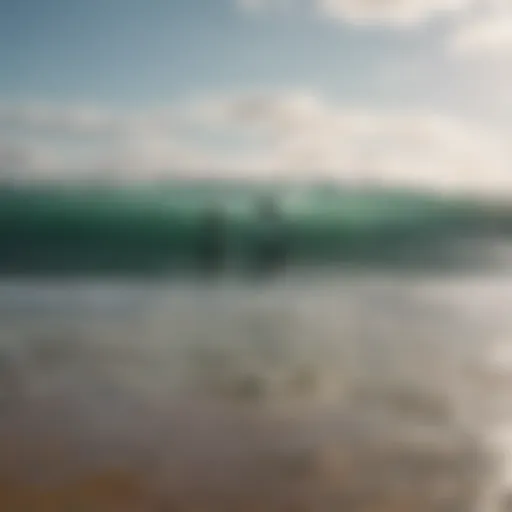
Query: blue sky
{"x": 138, "y": 51}
{"x": 119, "y": 67}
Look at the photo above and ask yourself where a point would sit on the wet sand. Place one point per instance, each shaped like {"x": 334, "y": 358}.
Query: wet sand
{"x": 257, "y": 407}
{"x": 204, "y": 456}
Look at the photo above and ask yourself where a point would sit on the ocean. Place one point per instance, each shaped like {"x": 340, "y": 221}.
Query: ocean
{"x": 371, "y": 372}
{"x": 136, "y": 229}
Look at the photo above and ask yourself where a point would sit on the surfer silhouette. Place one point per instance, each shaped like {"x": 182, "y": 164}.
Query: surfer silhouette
{"x": 271, "y": 250}
{"x": 212, "y": 240}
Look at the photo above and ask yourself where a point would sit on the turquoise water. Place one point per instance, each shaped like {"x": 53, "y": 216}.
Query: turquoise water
{"x": 151, "y": 228}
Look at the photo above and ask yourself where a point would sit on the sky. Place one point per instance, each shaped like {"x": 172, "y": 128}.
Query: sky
{"x": 393, "y": 92}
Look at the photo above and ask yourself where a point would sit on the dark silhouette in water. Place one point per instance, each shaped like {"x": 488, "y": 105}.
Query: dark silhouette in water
{"x": 212, "y": 240}
{"x": 271, "y": 247}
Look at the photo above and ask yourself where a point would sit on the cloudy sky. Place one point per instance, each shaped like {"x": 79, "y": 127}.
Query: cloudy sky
{"x": 414, "y": 92}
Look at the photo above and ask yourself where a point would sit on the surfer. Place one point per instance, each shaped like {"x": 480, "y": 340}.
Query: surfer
{"x": 212, "y": 243}
{"x": 271, "y": 251}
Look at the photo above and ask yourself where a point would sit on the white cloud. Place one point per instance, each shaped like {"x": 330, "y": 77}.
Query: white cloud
{"x": 389, "y": 11}
{"x": 77, "y": 120}
{"x": 267, "y": 110}
{"x": 15, "y": 157}
{"x": 491, "y": 34}
{"x": 38, "y": 116}
{"x": 292, "y": 134}
{"x": 394, "y": 12}
{"x": 308, "y": 136}
{"x": 477, "y": 26}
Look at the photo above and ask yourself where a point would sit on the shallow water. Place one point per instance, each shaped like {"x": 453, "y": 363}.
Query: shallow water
{"x": 305, "y": 392}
